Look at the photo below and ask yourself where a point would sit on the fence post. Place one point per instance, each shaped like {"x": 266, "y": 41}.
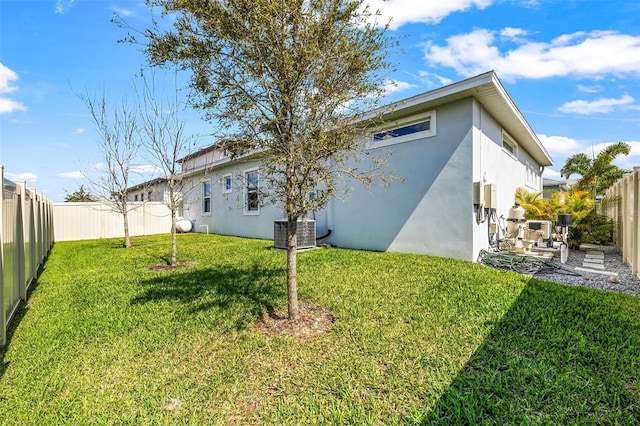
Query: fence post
{"x": 3, "y": 313}
{"x": 636, "y": 228}
{"x": 19, "y": 263}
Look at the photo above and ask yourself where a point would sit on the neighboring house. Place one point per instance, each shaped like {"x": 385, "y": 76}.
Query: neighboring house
{"x": 555, "y": 185}
{"x": 442, "y": 142}
{"x": 153, "y": 190}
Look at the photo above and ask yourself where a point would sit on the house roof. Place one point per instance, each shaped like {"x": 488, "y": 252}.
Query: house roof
{"x": 490, "y": 93}
{"x": 148, "y": 183}
{"x": 199, "y": 152}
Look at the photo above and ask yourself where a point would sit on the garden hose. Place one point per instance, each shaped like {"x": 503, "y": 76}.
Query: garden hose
{"x": 523, "y": 264}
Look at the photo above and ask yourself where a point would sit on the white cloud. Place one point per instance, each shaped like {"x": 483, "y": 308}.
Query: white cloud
{"x": 433, "y": 80}
{"x": 602, "y": 106}
{"x": 146, "y": 168}
{"x": 63, "y": 5}
{"x": 98, "y": 166}
{"x": 403, "y": 12}
{"x": 590, "y": 89}
{"x": 560, "y": 145}
{"x": 513, "y": 33}
{"x": 551, "y": 174}
{"x": 72, "y": 175}
{"x": 581, "y": 54}
{"x": 397, "y": 86}
{"x": 123, "y": 11}
{"x": 28, "y": 177}
{"x": 6, "y": 77}
{"x": 78, "y": 131}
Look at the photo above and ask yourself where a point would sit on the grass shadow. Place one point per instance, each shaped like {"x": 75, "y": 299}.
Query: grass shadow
{"x": 18, "y": 315}
{"x": 253, "y": 289}
{"x": 561, "y": 355}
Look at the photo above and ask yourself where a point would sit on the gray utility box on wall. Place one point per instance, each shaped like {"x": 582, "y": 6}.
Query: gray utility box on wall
{"x": 306, "y": 234}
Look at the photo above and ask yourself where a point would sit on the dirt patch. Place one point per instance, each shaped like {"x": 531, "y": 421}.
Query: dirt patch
{"x": 164, "y": 267}
{"x": 312, "y": 322}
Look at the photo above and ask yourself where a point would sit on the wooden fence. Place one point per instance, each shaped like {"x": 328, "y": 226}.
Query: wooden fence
{"x": 624, "y": 211}
{"x": 25, "y": 240}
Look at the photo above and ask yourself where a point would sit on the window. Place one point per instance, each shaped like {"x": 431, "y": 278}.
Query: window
{"x": 149, "y": 195}
{"x": 226, "y": 184}
{"x": 206, "y": 197}
{"x": 252, "y": 205}
{"x": 135, "y": 198}
{"x": 402, "y": 131}
{"x": 532, "y": 178}
{"x": 405, "y": 130}
{"x": 142, "y": 197}
{"x": 509, "y": 146}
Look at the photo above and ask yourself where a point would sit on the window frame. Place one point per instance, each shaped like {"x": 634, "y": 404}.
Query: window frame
{"x": 405, "y": 122}
{"x": 512, "y": 151}
{"x": 203, "y": 204}
{"x": 227, "y": 189}
{"x": 246, "y": 192}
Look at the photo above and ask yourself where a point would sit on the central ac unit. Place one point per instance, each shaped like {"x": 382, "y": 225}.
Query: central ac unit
{"x": 306, "y": 233}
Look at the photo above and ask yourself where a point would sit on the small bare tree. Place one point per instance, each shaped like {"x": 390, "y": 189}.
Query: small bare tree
{"x": 165, "y": 139}
{"x": 119, "y": 143}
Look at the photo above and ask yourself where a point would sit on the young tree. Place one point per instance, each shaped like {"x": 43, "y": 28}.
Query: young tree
{"x": 598, "y": 174}
{"x": 117, "y": 128}
{"x": 164, "y": 137}
{"x": 292, "y": 80}
{"x": 80, "y": 195}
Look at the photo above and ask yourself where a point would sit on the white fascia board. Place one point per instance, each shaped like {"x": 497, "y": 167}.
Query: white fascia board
{"x": 442, "y": 93}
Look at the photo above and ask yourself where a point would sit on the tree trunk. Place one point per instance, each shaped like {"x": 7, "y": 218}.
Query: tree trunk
{"x": 125, "y": 218}
{"x": 292, "y": 281}
{"x": 174, "y": 239}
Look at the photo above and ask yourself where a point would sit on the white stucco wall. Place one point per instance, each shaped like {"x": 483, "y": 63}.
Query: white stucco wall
{"x": 493, "y": 164}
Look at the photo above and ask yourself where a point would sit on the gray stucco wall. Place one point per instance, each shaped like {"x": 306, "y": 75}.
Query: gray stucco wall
{"x": 429, "y": 212}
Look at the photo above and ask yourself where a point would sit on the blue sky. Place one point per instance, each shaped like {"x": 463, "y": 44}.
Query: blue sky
{"x": 572, "y": 67}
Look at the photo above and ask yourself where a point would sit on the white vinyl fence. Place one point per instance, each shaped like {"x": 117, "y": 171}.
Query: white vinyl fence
{"x": 26, "y": 238}
{"x": 31, "y": 223}
{"x": 87, "y": 221}
{"x": 624, "y": 211}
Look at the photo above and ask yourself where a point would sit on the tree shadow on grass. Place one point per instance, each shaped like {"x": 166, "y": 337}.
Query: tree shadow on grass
{"x": 18, "y": 315}
{"x": 561, "y": 355}
{"x": 238, "y": 292}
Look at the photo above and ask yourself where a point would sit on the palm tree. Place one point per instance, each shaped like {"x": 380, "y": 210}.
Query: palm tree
{"x": 598, "y": 174}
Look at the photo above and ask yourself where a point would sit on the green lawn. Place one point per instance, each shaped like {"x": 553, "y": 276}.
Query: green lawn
{"x": 418, "y": 340}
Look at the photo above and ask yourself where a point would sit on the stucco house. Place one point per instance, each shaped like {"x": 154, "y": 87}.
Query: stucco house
{"x": 153, "y": 190}
{"x": 462, "y": 150}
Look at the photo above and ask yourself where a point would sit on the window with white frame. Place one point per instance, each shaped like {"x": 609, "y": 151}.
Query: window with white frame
{"x": 227, "y": 184}
{"x": 405, "y": 130}
{"x": 532, "y": 178}
{"x": 252, "y": 200}
{"x": 206, "y": 197}
{"x": 509, "y": 145}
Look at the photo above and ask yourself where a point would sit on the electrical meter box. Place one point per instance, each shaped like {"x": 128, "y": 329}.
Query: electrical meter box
{"x": 478, "y": 194}
{"x": 485, "y": 195}
{"x": 490, "y": 196}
